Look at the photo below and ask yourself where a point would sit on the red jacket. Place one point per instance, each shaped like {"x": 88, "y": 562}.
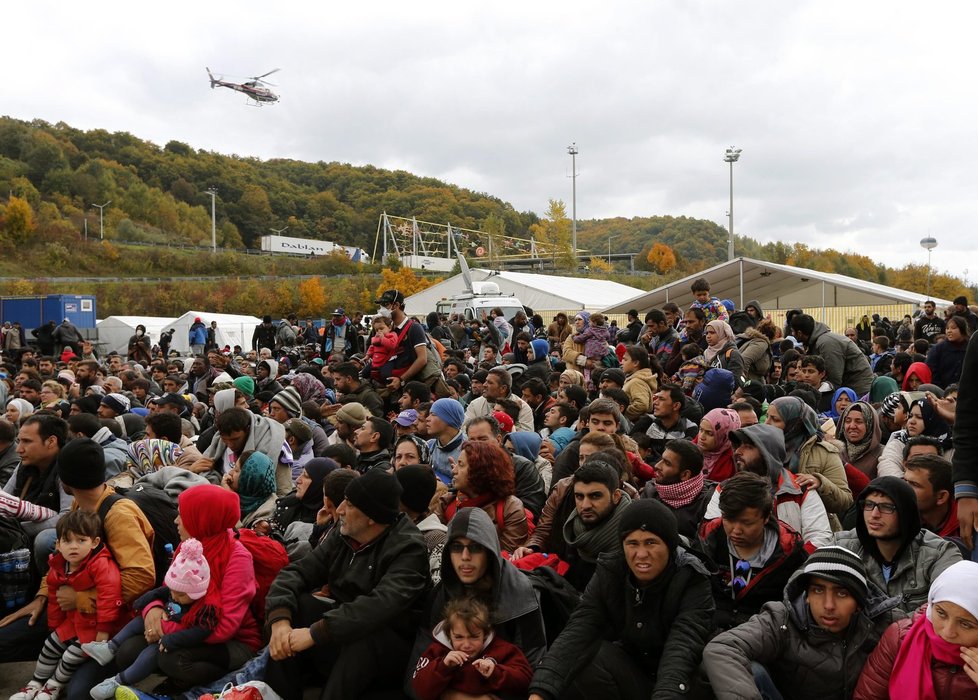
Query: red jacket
{"x": 100, "y": 572}
{"x": 432, "y": 677}
{"x": 950, "y": 682}
{"x": 237, "y": 590}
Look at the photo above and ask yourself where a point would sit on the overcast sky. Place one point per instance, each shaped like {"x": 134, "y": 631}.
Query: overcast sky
{"x": 857, "y": 119}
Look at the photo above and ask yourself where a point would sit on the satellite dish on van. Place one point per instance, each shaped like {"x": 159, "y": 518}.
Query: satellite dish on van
{"x": 485, "y": 288}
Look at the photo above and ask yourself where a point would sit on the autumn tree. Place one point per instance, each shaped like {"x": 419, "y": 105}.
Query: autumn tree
{"x": 18, "y": 220}
{"x": 312, "y": 297}
{"x": 405, "y": 280}
{"x": 597, "y": 264}
{"x": 555, "y": 231}
{"x": 495, "y": 229}
{"x": 661, "y": 258}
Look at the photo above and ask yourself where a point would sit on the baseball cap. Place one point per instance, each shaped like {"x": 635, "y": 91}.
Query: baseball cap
{"x": 339, "y": 312}
{"x": 407, "y": 418}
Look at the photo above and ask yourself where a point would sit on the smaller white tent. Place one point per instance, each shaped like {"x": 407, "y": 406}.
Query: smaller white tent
{"x": 231, "y": 329}
{"x": 114, "y": 332}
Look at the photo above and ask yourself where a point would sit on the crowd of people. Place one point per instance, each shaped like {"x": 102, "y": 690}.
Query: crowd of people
{"x": 701, "y": 503}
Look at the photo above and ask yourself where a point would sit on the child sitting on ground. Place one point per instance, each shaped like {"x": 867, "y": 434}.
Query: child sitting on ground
{"x": 383, "y": 344}
{"x": 186, "y": 623}
{"x": 466, "y": 657}
{"x": 83, "y": 563}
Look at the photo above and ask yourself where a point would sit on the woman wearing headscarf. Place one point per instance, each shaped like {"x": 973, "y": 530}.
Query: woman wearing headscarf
{"x": 841, "y": 399}
{"x": 917, "y": 373}
{"x": 881, "y": 388}
{"x": 922, "y": 419}
{"x": 722, "y": 349}
{"x": 295, "y": 513}
{"x": 816, "y": 461}
{"x": 934, "y": 654}
{"x": 18, "y": 409}
{"x": 150, "y": 455}
{"x": 207, "y": 513}
{"x": 309, "y": 387}
{"x": 253, "y": 480}
{"x": 859, "y": 432}
{"x": 714, "y": 441}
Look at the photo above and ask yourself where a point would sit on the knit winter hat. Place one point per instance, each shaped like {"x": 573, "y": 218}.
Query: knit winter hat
{"x": 189, "y": 573}
{"x": 839, "y": 565}
{"x": 890, "y": 404}
{"x": 377, "y": 494}
{"x": 81, "y": 464}
{"x": 615, "y": 375}
{"x": 450, "y": 411}
{"x": 290, "y": 400}
{"x": 117, "y": 402}
{"x": 352, "y": 413}
{"x": 418, "y": 484}
{"x": 652, "y": 516}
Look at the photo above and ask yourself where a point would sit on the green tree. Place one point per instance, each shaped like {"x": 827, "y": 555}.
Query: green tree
{"x": 253, "y": 213}
{"x": 555, "y": 231}
{"x": 495, "y": 229}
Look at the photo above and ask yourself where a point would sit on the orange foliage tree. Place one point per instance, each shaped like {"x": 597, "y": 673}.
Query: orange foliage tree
{"x": 661, "y": 258}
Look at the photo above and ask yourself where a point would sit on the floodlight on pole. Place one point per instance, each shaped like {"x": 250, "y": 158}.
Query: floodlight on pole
{"x": 731, "y": 156}
{"x": 928, "y": 243}
{"x": 279, "y": 231}
{"x": 213, "y": 195}
{"x": 572, "y": 151}
{"x": 101, "y": 221}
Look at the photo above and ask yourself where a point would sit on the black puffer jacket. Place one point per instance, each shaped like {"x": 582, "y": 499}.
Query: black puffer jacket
{"x": 663, "y": 626}
{"x": 806, "y": 662}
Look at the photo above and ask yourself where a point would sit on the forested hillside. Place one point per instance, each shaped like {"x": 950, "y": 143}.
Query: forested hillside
{"x": 51, "y": 175}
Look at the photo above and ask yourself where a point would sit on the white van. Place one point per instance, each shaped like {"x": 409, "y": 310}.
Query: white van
{"x": 484, "y": 298}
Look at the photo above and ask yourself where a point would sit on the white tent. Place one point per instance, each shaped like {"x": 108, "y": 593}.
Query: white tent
{"x": 231, "y": 329}
{"x": 114, "y": 332}
{"x": 775, "y": 287}
{"x": 539, "y": 292}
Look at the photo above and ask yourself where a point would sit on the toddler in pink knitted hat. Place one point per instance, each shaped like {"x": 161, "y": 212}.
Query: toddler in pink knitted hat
{"x": 185, "y": 584}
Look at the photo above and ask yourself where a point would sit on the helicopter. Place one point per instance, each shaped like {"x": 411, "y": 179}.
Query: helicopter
{"x": 254, "y": 88}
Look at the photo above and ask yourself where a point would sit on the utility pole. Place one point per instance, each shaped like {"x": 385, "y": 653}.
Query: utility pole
{"x": 572, "y": 150}
{"x": 101, "y": 222}
{"x": 731, "y": 157}
{"x": 213, "y": 195}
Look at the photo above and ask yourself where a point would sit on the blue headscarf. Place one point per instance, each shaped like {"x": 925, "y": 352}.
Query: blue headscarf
{"x": 256, "y": 482}
{"x": 834, "y": 414}
{"x": 586, "y": 315}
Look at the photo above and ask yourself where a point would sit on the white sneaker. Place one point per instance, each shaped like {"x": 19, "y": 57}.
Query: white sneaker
{"x": 28, "y": 692}
{"x": 100, "y": 651}
{"x": 50, "y": 691}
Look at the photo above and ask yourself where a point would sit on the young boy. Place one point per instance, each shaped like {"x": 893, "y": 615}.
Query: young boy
{"x": 712, "y": 307}
{"x": 81, "y": 562}
{"x": 467, "y": 658}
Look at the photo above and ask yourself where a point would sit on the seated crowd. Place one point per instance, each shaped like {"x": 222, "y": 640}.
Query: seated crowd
{"x": 702, "y": 505}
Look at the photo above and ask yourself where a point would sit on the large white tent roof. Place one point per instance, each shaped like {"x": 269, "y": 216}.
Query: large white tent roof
{"x": 775, "y": 286}
{"x": 539, "y": 292}
{"x": 114, "y": 331}
{"x": 231, "y": 329}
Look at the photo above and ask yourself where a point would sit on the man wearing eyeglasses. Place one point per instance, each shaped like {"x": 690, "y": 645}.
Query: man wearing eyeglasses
{"x": 901, "y": 558}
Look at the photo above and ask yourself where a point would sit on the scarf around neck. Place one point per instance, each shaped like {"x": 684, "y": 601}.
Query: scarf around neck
{"x": 912, "y": 677}
{"x": 680, "y": 495}
{"x": 603, "y": 537}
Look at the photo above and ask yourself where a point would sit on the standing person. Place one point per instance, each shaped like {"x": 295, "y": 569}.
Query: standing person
{"x": 166, "y": 338}
{"x": 946, "y": 359}
{"x": 642, "y": 622}
{"x": 845, "y": 363}
{"x": 67, "y": 335}
{"x": 338, "y": 336}
{"x": 263, "y": 336}
{"x": 929, "y": 325}
{"x": 934, "y": 655}
{"x": 965, "y": 467}
{"x": 45, "y": 338}
{"x": 140, "y": 347}
{"x": 961, "y": 309}
{"x": 197, "y": 336}
{"x": 82, "y": 564}
{"x": 211, "y": 343}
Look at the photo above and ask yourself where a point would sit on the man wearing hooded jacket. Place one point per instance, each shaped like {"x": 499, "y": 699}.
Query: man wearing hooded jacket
{"x": 845, "y": 363}
{"x": 901, "y": 558}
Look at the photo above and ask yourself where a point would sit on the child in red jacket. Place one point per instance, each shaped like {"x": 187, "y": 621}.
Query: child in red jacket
{"x": 83, "y": 563}
{"x": 466, "y": 657}
{"x": 383, "y": 345}
{"x": 185, "y": 624}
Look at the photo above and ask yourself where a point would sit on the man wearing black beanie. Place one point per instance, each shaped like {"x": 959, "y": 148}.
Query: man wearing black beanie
{"x": 418, "y": 482}
{"x": 375, "y": 568}
{"x": 654, "y": 598}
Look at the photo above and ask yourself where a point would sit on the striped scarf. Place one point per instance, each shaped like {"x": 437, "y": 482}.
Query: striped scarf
{"x": 680, "y": 495}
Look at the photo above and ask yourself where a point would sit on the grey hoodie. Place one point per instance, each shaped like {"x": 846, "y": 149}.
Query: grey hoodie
{"x": 770, "y": 441}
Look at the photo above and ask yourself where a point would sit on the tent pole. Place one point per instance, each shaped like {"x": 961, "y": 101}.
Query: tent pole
{"x": 741, "y": 283}
{"x": 823, "y": 301}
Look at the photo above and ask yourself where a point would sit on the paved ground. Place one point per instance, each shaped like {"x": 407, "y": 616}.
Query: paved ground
{"x": 14, "y": 676}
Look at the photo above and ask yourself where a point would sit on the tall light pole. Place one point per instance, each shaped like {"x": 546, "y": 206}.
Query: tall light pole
{"x": 731, "y": 156}
{"x": 609, "y": 245}
{"x": 101, "y": 223}
{"x": 928, "y": 243}
{"x": 572, "y": 150}
{"x": 213, "y": 194}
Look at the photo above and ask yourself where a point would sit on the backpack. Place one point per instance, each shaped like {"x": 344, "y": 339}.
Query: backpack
{"x": 18, "y": 577}
{"x": 161, "y": 511}
{"x": 270, "y": 558}
{"x": 557, "y": 598}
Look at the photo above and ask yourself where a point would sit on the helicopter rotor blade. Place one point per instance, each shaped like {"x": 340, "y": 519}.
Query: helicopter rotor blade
{"x": 276, "y": 70}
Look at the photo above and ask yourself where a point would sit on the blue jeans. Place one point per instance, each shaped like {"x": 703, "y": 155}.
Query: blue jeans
{"x": 762, "y": 679}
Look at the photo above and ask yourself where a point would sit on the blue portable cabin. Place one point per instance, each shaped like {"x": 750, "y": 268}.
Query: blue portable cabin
{"x": 34, "y": 311}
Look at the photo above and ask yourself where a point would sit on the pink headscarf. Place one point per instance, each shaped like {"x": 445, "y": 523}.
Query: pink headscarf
{"x": 724, "y": 422}
{"x": 725, "y": 335}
